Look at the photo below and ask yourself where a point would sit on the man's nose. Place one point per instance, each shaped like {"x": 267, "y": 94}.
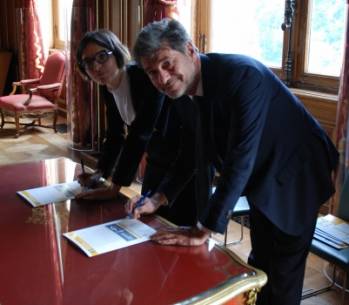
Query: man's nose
{"x": 163, "y": 78}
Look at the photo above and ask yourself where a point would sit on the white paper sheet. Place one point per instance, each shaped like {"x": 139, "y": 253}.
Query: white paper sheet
{"x": 51, "y": 193}
{"x": 110, "y": 236}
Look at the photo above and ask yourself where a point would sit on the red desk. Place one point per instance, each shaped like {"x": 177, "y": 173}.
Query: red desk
{"x": 40, "y": 267}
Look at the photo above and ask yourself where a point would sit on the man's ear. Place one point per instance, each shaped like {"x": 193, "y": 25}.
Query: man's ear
{"x": 191, "y": 49}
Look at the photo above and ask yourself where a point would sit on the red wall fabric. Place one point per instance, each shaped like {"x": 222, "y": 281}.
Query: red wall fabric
{"x": 155, "y": 10}
{"x": 80, "y": 93}
{"x": 31, "y": 55}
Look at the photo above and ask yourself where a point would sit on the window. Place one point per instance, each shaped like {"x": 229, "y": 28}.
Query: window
{"x": 253, "y": 28}
{"x": 54, "y": 16}
{"x": 186, "y": 14}
{"x": 44, "y": 8}
{"x": 326, "y": 33}
{"x": 319, "y": 39}
{"x": 62, "y": 10}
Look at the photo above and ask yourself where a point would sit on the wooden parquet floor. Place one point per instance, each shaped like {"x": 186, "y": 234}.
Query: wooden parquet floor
{"x": 35, "y": 143}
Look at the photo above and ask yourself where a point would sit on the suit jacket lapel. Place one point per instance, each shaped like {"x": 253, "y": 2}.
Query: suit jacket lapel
{"x": 207, "y": 106}
{"x": 203, "y": 176}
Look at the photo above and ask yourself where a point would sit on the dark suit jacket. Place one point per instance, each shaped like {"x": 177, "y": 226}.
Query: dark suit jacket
{"x": 162, "y": 152}
{"x": 123, "y": 147}
{"x": 264, "y": 144}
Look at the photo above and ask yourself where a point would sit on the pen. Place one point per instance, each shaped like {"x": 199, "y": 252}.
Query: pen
{"x": 82, "y": 166}
{"x": 140, "y": 202}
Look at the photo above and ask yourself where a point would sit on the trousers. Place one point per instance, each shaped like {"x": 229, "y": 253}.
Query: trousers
{"x": 281, "y": 256}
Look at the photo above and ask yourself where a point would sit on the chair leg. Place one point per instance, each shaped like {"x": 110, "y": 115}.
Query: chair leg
{"x": 55, "y": 115}
{"x": 344, "y": 288}
{"x": 226, "y": 243}
{"x": 322, "y": 290}
{"x": 17, "y": 124}
{"x": 2, "y": 118}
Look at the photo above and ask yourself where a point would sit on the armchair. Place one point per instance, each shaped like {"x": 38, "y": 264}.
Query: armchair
{"x": 40, "y": 98}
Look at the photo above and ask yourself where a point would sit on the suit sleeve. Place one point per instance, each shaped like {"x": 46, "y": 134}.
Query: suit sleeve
{"x": 249, "y": 99}
{"x": 114, "y": 140}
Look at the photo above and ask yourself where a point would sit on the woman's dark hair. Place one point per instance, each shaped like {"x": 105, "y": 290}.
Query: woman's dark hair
{"x": 106, "y": 39}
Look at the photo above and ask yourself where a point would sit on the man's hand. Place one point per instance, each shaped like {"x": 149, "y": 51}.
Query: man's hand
{"x": 149, "y": 206}
{"x": 182, "y": 237}
{"x": 100, "y": 193}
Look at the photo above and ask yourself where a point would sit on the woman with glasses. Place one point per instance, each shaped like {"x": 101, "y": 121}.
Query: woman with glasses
{"x": 132, "y": 108}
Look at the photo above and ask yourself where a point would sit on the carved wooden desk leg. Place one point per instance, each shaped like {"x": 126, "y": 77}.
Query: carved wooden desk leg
{"x": 252, "y": 296}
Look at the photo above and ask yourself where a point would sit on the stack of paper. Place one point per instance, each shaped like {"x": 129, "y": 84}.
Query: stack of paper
{"x": 332, "y": 231}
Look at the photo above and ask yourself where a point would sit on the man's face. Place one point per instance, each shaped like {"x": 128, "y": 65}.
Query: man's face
{"x": 172, "y": 72}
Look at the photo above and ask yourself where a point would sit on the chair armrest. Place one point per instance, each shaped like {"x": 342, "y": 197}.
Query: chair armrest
{"x": 49, "y": 86}
{"x": 29, "y": 99}
{"x": 23, "y": 83}
{"x": 15, "y": 85}
{"x": 50, "y": 91}
{"x": 30, "y": 81}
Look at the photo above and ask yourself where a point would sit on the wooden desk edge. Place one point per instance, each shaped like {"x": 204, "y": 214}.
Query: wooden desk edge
{"x": 229, "y": 289}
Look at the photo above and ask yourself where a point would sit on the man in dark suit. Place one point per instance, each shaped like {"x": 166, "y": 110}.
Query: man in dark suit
{"x": 261, "y": 140}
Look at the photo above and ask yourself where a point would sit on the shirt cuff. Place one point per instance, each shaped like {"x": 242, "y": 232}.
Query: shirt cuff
{"x": 202, "y": 228}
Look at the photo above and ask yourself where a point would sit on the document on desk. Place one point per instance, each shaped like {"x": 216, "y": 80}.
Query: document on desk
{"x": 110, "y": 236}
{"x": 51, "y": 193}
{"x": 333, "y": 231}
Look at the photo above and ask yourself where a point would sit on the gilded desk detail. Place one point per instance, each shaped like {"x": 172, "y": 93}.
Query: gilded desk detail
{"x": 38, "y": 216}
{"x": 251, "y": 296}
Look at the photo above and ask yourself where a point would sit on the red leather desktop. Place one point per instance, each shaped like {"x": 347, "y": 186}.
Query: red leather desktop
{"x": 38, "y": 266}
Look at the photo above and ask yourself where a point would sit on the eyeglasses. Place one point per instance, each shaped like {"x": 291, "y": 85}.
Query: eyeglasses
{"x": 101, "y": 57}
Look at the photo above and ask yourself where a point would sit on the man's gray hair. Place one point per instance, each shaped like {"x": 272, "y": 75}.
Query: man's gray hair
{"x": 155, "y": 35}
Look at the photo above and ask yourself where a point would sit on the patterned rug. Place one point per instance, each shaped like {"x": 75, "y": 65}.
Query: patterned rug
{"x": 36, "y": 143}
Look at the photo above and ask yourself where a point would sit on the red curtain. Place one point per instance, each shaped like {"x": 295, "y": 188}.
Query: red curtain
{"x": 81, "y": 94}
{"x": 342, "y": 122}
{"x": 31, "y": 55}
{"x": 155, "y": 10}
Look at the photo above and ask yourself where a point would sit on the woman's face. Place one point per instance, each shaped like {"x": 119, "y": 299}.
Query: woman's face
{"x": 100, "y": 65}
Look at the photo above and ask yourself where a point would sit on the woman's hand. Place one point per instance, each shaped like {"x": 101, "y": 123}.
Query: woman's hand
{"x": 100, "y": 193}
{"x": 90, "y": 180}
